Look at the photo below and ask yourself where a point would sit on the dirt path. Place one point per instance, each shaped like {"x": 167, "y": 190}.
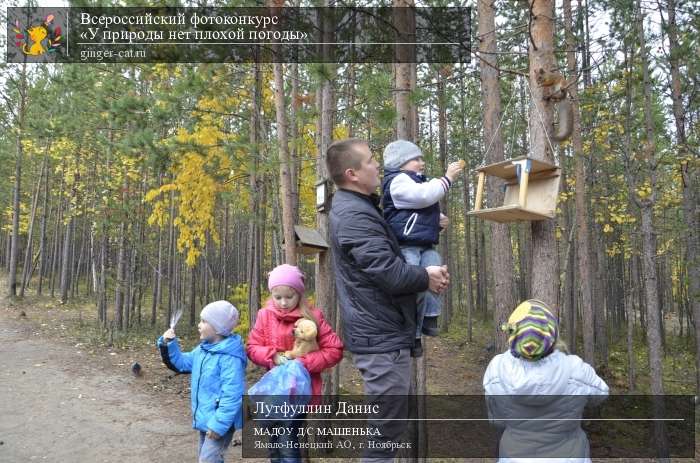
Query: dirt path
{"x": 56, "y": 405}
{"x": 64, "y": 401}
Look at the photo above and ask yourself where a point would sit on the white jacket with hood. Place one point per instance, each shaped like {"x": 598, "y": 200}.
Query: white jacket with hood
{"x": 545, "y": 389}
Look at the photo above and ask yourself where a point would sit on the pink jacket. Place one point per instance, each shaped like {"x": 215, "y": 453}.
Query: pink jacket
{"x": 273, "y": 333}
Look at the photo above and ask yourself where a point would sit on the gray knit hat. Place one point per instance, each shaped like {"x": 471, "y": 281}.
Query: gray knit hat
{"x": 399, "y": 152}
{"x": 222, "y": 315}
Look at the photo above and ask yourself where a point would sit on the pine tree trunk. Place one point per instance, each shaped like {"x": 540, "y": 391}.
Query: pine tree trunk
{"x": 691, "y": 213}
{"x": 325, "y": 287}
{"x": 26, "y": 268}
{"x": 171, "y": 259}
{"x": 689, "y": 171}
{"x": 16, "y": 191}
{"x": 467, "y": 220}
{"x": 253, "y": 270}
{"x": 74, "y": 275}
{"x": 404, "y": 130}
{"x": 647, "y": 228}
{"x": 65, "y": 259}
{"x": 103, "y": 277}
{"x": 501, "y": 248}
{"x": 224, "y": 255}
{"x": 544, "y": 257}
{"x": 568, "y": 311}
{"x": 119, "y": 287}
{"x": 294, "y": 155}
{"x": 524, "y": 259}
{"x": 277, "y": 234}
{"x": 128, "y": 278}
{"x": 45, "y": 217}
{"x": 7, "y": 238}
{"x": 446, "y": 298}
{"x": 351, "y": 92}
{"x": 157, "y": 279}
{"x": 402, "y": 70}
{"x": 629, "y": 312}
{"x": 648, "y": 167}
{"x": 601, "y": 304}
{"x": 482, "y": 275}
{"x": 93, "y": 268}
{"x": 582, "y": 237}
{"x": 286, "y": 190}
{"x": 193, "y": 292}
{"x": 56, "y": 240}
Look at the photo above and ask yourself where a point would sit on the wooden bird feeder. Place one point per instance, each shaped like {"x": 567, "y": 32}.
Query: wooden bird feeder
{"x": 309, "y": 240}
{"x": 532, "y": 187}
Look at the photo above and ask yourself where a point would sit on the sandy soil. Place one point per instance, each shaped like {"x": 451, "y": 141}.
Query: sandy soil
{"x": 60, "y": 404}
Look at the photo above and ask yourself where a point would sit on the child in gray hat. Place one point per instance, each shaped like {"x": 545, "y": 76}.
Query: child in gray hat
{"x": 411, "y": 207}
{"x": 218, "y": 367}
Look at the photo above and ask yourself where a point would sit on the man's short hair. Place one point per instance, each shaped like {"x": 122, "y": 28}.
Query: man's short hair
{"x": 340, "y": 156}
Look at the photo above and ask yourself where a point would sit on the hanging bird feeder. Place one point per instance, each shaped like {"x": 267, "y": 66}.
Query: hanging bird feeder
{"x": 531, "y": 190}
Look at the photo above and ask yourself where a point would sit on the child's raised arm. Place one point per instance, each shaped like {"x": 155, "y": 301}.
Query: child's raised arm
{"x": 179, "y": 362}
{"x": 407, "y": 194}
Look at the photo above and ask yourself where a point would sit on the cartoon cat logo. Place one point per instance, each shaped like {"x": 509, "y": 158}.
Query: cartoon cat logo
{"x": 32, "y": 42}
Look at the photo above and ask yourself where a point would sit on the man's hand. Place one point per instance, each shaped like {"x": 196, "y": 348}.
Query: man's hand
{"x": 444, "y": 221}
{"x": 169, "y": 335}
{"x": 212, "y": 435}
{"x": 439, "y": 278}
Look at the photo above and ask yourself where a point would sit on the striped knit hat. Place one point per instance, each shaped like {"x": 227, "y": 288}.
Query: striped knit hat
{"x": 532, "y": 330}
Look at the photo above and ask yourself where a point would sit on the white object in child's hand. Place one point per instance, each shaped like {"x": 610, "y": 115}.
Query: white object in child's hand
{"x": 175, "y": 317}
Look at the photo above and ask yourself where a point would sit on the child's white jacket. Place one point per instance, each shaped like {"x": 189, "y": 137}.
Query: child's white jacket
{"x": 546, "y": 390}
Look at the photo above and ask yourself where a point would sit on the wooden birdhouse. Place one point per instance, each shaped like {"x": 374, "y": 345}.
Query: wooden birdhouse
{"x": 309, "y": 240}
{"x": 531, "y": 190}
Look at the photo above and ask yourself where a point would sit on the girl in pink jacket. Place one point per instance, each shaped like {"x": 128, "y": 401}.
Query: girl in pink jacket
{"x": 273, "y": 334}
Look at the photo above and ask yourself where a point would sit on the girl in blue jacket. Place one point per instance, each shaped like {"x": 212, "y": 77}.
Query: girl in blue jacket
{"x": 218, "y": 377}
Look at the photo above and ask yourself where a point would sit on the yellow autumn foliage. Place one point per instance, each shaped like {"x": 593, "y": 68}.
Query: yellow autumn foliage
{"x": 198, "y": 177}
{"x": 196, "y": 193}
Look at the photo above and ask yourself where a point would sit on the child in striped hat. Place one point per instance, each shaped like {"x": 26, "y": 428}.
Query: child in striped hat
{"x": 532, "y": 331}
{"x": 535, "y": 379}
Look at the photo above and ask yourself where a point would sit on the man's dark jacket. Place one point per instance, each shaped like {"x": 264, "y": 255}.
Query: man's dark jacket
{"x": 376, "y": 288}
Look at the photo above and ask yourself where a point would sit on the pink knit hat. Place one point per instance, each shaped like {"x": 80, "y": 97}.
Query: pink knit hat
{"x": 286, "y": 275}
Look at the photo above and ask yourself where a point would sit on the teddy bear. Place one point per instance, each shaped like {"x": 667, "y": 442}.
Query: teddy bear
{"x": 304, "y": 339}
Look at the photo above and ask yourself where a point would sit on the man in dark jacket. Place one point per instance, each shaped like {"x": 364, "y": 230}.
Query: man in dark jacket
{"x": 376, "y": 288}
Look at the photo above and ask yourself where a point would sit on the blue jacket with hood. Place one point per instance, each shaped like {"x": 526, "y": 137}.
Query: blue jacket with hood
{"x": 218, "y": 380}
